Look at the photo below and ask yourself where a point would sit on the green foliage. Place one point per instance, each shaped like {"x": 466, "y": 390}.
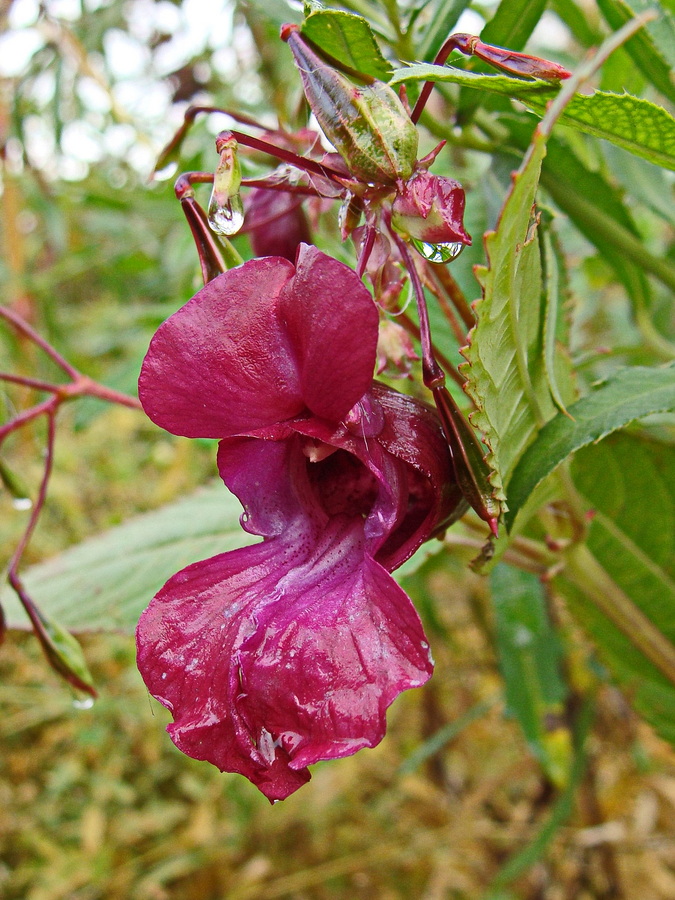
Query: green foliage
{"x": 630, "y": 394}
{"x": 633, "y": 123}
{"x": 513, "y": 23}
{"x": 653, "y": 48}
{"x": 506, "y": 378}
{"x": 622, "y": 585}
{"x": 530, "y": 658}
{"x": 347, "y": 38}
{"x": 103, "y": 584}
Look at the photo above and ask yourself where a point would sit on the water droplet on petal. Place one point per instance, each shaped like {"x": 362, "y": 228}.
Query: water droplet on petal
{"x": 226, "y": 216}
{"x": 438, "y": 253}
{"x": 22, "y": 503}
{"x": 83, "y": 702}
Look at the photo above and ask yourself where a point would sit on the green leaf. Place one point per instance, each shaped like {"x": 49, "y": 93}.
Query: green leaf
{"x": 443, "y": 19}
{"x": 629, "y": 395}
{"x": 622, "y": 588}
{"x": 106, "y": 582}
{"x": 630, "y": 122}
{"x": 653, "y": 47}
{"x": 347, "y": 38}
{"x": 643, "y": 128}
{"x": 513, "y": 23}
{"x": 597, "y": 210}
{"x": 506, "y": 378}
{"x": 585, "y": 31}
{"x": 529, "y": 658}
{"x": 554, "y": 277}
{"x": 65, "y": 655}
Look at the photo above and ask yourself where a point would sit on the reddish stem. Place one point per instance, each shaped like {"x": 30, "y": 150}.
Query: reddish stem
{"x": 366, "y": 250}
{"x": 466, "y": 451}
{"x": 193, "y": 111}
{"x": 39, "y": 503}
{"x": 24, "y": 328}
{"x": 454, "y": 292}
{"x": 14, "y": 579}
{"x": 304, "y": 190}
{"x": 446, "y": 309}
{"x": 432, "y": 373}
{"x": 34, "y": 383}
{"x": 501, "y": 58}
{"x": 87, "y": 387}
{"x": 28, "y": 415}
{"x": 307, "y": 165}
{"x": 428, "y": 86}
{"x": 210, "y": 258}
{"x": 412, "y": 328}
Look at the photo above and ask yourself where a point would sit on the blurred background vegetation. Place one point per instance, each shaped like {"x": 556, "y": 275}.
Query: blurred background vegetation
{"x": 97, "y": 803}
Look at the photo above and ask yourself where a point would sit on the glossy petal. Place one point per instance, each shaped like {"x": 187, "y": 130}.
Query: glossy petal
{"x": 275, "y": 656}
{"x": 260, "y": 344}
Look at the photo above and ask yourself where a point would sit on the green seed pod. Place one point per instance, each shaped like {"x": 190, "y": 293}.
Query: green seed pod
{"x": 367, "y": 125}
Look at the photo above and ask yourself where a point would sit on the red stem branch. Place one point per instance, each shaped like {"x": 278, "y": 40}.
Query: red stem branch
{"x": 24, "y": 328}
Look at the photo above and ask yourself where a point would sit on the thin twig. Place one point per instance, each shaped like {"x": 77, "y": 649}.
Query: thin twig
{"x": 24, "y": 328}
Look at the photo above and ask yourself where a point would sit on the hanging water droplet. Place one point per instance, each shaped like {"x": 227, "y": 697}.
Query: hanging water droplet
{"x": 168, "y": 171}
{"x": 226, "y": 216}
{"x": 438, "y": 253}
{"x": 226, "y": 211}
{"x": 22, "y": 503}
{"x": 84, "y": 702}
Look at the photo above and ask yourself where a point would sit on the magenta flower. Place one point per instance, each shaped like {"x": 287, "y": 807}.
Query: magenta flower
{"x": 287, "y": 652}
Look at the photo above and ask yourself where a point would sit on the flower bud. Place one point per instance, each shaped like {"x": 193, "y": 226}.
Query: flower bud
{"x": 368, "y": 125}
{"x": 276, "y": 223}
{"x": 429, "y": 210}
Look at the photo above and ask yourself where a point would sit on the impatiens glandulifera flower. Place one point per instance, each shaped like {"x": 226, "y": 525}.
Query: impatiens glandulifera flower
{"x": 290, "y": 651}
{"x": 429, "y": 209}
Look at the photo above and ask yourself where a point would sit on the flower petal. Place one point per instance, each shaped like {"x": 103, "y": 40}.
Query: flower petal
{"x": 259, "y": 345}
{"x": 332, "y": 325}
{"x": 289, "y": 651}
{"x": 209, "y": 371}
{"x": 275, "y": 656}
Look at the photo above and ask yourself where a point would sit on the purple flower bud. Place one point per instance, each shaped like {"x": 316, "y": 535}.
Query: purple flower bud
{"x": 430, "y": 208}
{"x": 276, "y": 223}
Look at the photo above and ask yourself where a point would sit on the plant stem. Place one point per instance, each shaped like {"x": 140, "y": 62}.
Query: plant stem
{"x": 24, "y": 328}
{"x": 586, "y": 573}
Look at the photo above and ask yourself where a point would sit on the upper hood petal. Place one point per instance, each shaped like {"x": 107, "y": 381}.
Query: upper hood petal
{"x": 260, "y": 344}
